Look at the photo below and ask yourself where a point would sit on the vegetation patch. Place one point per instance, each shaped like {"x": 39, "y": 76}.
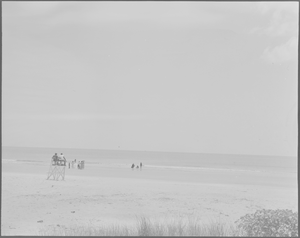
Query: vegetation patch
{"x": 278, "y": 223}
{"x": 263, "y": 223}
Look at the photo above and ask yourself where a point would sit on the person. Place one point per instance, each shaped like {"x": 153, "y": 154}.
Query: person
{"x": 54, "y": 158}
{"x": 62, "y": 159}
{"x": 132, "y": 166}
{"x": 137, "y": 166}
{"x": 141, "y": 165}
{"x": 69, "y": 165}
{"x": 75, "y": 164}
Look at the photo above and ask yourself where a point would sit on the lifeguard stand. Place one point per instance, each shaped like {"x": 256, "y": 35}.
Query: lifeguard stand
{"x": 57, "y": 168}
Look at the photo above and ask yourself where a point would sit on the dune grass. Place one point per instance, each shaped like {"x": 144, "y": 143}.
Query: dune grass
{"x": 147, "y": 227}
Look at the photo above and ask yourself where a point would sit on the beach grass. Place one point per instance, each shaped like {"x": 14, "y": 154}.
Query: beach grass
{"x": 147, "y": 227}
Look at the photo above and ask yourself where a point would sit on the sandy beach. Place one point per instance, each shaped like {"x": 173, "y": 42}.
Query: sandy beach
{"x": 101, "y": 195}
{"x": 203, "y": 95}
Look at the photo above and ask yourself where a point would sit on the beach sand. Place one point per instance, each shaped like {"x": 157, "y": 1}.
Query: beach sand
{"x": 107, "y": 195}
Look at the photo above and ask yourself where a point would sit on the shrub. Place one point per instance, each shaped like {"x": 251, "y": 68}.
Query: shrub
{"x": 281, "y": 223}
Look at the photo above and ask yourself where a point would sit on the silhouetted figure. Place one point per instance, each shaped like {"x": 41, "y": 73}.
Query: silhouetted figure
{"x": 137, "y": 166}
{"x": 132, "y": 166}
{"x": 54, "y": 159}
{"x": 141, "y": 165}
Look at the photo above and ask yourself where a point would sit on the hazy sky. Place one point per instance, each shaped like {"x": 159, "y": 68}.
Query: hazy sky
{"x": 207, "y": 77}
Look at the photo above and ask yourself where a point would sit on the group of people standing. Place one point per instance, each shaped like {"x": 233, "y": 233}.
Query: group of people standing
{"x": 140, "y": 167}
{"x": 78, "y": 165}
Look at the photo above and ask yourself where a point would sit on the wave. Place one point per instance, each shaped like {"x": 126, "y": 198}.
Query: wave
{"x": 168, "y": 167}
{"x": 199, "y": 168}
{"x": 9, "y": 161}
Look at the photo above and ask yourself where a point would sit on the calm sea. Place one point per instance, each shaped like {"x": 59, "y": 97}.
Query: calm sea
{"x": 155, "y": 160}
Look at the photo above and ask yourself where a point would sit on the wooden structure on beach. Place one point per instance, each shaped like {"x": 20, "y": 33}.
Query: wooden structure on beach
{"x": 57, "y": 168}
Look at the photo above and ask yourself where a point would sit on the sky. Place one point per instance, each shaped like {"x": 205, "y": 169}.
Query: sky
{"x": 198, "y": 77}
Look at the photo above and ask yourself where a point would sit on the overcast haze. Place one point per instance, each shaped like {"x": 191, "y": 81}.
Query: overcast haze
{"x": 207, "y": 77}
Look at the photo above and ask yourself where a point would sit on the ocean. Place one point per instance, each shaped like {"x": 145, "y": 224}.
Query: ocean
{"x": 165, "y": 160}
{"x": 170, "y": 166}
